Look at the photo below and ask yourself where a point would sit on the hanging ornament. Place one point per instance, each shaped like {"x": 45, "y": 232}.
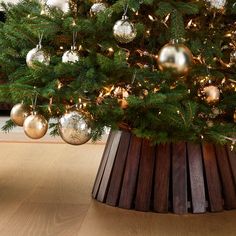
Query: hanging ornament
{"x": 97, "y": 8}
{"x": 63, "y": 5}
{"x": 74, "y": 129}
{"x": 70, "y": 56}
{"x": 19, "y": 113}
{"x": 217, "y": 4}
{"x": 37, "y": 54}
{"x": 233, "y": 56}
{"x": 124, "y": 31}
{"x": 210, "y": 93}
{"x": 35, "y": 126}
{"x": 175, "y": 57}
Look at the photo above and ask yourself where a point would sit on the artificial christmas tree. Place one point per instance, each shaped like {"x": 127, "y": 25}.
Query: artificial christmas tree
{"x": 161, "y": 71}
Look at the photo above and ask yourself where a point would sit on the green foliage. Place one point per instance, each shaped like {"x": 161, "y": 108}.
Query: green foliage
{"x": 162, "y": 107}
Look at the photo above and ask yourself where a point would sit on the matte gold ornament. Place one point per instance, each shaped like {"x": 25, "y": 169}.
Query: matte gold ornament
{"x": 71, "y": 56}
{"x": 63, "y": 5}
{"x": 19, "y": 113}
{"x": 74, "y": 129}
{"x": 175, "y": 57}
{"x": 211, "y": 94}
{"x": 233, "y": 57}
{"x": 37, "y": 55}
{"x": 96, "y": 8}
{"x": 124, "y": 31}
{"x": 35, "y": 126}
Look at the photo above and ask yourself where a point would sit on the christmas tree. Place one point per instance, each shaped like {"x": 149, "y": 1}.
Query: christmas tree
{"x": 165, "y": 70}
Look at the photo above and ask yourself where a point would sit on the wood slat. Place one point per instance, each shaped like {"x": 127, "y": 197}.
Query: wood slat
{"x": 145, "y": 178}
{"x": 103, "y": 164}
{"x": 109, "y": 165}
{"x": 196, "y": 178}
{"x": 131, "y": 173}
{"x": 162, "y": 177}
{"x": 232, "y": 160}
{"x": 226, "y": 177}
{"x": 118, "y": 170}
{"x": 212, "y": 177}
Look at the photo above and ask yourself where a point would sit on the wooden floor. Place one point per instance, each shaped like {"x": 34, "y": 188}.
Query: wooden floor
{"x": 45, "y": 191}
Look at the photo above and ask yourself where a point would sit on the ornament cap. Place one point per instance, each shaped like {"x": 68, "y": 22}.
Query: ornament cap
{"x": 124, "y": 18}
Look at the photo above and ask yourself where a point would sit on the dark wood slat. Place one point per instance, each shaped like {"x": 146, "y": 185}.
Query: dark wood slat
{"x": 196, "y": 177}
{"x": 162, "y": 177}
{"x": 103, "y": 164}
{"x": 131, "y": 173}
{"x": 212, "y": 176}
{"x": 118, "y": 169}
{"x": 146, "y": 169}
{"x": 179, "y": 174}
{"x": 109, "y": 165}
{"x": 226, "y": 177}
{"x": 232, "y": 159}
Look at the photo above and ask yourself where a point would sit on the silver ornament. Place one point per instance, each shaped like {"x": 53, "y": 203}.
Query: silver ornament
{"x": 19, "y": 112}
{"x": 35, "y": 126}
{"x": 124, "y": 31}
{"x": 217, "y": 4}
{"x": 70, "y": 56}
{"x": 74, "y": 129}
{"x": 176, "y": 57}
{"x": 63, "y": 5}
{"x": 97, "y": 8}
{"x": 37, "y": 55}
{"x": 233, "y": 57}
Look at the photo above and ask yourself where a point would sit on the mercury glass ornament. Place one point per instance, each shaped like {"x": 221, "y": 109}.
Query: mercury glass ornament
{"x": 37, "y": 55}
{"x": 63, "y": 5}
{"x": 217, "y": 4}
{"x": 70, "y": 56}
{"x": 233, "y": 57}
{"x": 124, "y": 31}
{"x": 35, "y": 126}
{"x": 19, "y": 113}
{"x": 211, "y": 94}
{"x": 176, "y": 57}
{"x": 74, "y": 129}
{"x": 97, "y": 8}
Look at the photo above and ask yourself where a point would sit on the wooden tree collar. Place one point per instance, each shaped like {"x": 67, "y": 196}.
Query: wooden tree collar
{"x": 180, "y": 178}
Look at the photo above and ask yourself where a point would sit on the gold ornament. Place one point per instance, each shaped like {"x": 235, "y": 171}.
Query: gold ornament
{"x": 74, "y": 129}
{"x": 37, "y": 55}
{"x": 211, "y": 94}
{"x": 19, "y": 112}
{"x": 121, "y": 94}
{"x": 124, "y": 31}
{"x": 176, "y": 57}
{"x": 96, "y": 8}
{"x": 35, "y": 126}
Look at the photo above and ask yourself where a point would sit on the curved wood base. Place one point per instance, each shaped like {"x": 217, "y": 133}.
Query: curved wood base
{"x": 179, "y": 178}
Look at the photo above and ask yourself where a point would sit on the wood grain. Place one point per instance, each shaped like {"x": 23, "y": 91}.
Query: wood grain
{"x": 109, "y": 165}
{"x": 226, "y": 177}
{"x": 196, "y": 178}
{"x": 145, "y": 178}
{"x": 131, "y": 172}
{"x": 162, "y": 177}
{"x": 232, "y": 160}
{"x": 118, "y": 170}
{"x": 179, "y": 178}
{"x": 212, "y": 177}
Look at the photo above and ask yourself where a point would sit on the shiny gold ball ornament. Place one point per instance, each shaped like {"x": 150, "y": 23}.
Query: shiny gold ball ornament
{"x": 124, "y": 31}
{"x": 37, "y": 54}
{"x": 35, "y": 126}
{"x": 19, "y": 113}
{"x": 211, "y": 94}
{"x": 233, "y": 56}
{"x": 96, "y": 8}
{"x": 175, "y": 57}
{"x": 73, "y": 128}
{"x": 71, "y": 56}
